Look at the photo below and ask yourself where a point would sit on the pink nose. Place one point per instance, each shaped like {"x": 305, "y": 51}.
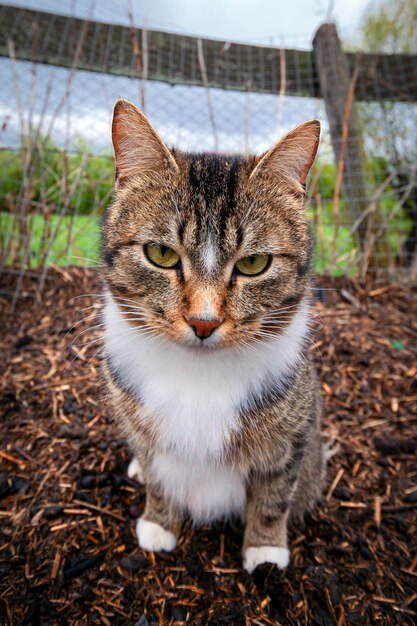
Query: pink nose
{"x": 203, "y": 328}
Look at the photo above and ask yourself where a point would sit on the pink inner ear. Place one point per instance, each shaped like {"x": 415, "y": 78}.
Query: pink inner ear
{"x": 293, "y": 155}
{"x": 137, "y": 146}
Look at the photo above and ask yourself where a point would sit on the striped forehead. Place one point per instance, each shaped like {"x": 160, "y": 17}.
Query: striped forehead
{"x": 212, "y": 206}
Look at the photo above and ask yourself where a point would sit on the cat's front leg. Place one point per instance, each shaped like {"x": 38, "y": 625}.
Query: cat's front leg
{"x": 159, "y": 525}
{"x": 267, "y": 511}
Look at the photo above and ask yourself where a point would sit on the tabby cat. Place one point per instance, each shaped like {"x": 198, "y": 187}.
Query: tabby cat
{"x": 207, "y": 265}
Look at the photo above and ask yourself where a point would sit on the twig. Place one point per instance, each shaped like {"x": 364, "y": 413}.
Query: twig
{"x": 372, "y": 206}
{"x": 341, "y": 161}
{"x": 203, "y": 70}
{"x": 137, "y": 54}
{"x": 282, "y": 86}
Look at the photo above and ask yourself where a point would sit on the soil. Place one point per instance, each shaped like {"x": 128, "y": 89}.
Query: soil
{"x": 68, "y": 551}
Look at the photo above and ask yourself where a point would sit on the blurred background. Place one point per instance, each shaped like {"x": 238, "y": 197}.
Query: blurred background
{"x": 224, "y": 77}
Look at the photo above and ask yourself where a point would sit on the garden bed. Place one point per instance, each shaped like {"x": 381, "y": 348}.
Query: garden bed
{"x": 68, "y": 551}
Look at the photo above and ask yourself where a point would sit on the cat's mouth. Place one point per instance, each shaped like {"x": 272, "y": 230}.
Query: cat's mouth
{"x": 214, "y": 341}
{"x": 228, "y": 335}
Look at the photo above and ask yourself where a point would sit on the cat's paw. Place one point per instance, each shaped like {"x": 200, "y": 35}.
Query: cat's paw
{"x": 153, "y": 538}
{"x": 135, "y": 471}
{"x": 256, "y": 555}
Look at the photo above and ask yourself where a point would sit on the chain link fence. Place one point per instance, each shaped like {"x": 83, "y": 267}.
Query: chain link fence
{"x": 61, "y": 76}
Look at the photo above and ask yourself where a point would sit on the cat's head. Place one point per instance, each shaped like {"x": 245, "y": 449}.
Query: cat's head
{"x": 206, "y": 250}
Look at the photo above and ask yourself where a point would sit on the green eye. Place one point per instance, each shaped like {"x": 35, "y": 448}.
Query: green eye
{"x": 161, "y": 255}
{"x": 252, "y": 265}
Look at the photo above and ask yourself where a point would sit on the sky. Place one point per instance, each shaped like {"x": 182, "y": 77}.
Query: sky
{"x": 252, "y": 21}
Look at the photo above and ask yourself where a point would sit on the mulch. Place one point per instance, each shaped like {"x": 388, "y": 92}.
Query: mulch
{"x": 68, "y": 551}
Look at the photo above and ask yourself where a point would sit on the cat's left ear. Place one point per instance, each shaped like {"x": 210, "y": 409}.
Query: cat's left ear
{"x": 293, "y": 155}
{"x": 138, "y": 148}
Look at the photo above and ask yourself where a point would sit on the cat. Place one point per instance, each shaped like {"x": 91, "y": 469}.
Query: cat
{"x": 208, "y": 280}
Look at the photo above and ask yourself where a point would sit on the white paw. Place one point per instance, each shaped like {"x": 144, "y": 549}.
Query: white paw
{"x": 153, "y": 538}
{"x": 135, "y": 471}
{"x": 254, "y": 556}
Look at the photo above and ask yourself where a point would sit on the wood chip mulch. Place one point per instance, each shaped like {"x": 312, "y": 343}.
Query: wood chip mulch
{"x": 68, "y": 552}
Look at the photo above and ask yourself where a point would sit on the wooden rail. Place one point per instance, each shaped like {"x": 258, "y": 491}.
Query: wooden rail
{"x": 98, "y": 47}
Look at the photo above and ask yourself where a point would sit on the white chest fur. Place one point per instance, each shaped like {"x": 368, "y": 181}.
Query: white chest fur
{"x": 195, "y": 398}
{"x": 204, "y": 489}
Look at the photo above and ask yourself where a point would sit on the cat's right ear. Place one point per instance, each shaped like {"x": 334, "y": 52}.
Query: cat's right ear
{"x": 137, "y": 146}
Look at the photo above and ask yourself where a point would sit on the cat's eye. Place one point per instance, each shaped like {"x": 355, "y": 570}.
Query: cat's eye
{"x": 252, "y": 265}
{"x": 162, "y": 255}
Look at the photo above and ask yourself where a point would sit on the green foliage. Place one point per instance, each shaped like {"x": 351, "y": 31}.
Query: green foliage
{"x": 327, "y": 178}
{"x": 55, "y": 180}
{"x": 389, "y": 128}
{"x": 337, "y": 247}
{"x": 60, "y": 239}
{"x": 50, "y": 201}
{"x": 391, "y": 27}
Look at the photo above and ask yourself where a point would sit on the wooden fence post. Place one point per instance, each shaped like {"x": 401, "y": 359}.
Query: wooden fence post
{"x": 337, "y": 88}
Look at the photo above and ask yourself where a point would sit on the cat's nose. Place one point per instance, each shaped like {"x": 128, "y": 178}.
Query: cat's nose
{"x": 203, "y": 328}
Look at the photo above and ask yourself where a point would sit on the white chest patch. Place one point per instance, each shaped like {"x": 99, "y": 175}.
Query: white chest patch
{"x": 205, "y": 490}
{"x": 195, "y": 398}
